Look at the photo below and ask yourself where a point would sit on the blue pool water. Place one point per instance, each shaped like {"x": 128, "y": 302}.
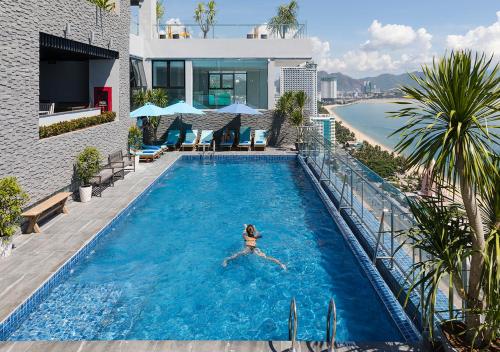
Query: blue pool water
{"x": 158, "y": 273}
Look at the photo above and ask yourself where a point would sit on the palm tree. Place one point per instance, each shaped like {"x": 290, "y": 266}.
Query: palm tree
{"x": 104, "y": 4}
{"x": 285, "y": 19}
{"x": 452, "y": 120}
{"x": 160, "y": 11}
{"x": 204, "y": 15}
{"x": 158, "y": 97}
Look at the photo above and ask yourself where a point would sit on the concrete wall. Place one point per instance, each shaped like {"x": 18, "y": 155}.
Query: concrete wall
{"x": 229, "y": 48}
{"x": 281, "y": 132}
{"x": 46, "y": 166}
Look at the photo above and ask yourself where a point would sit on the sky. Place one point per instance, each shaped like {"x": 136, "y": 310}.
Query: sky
{"x": 366, "y": 37}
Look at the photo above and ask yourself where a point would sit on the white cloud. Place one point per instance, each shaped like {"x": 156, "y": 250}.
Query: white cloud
{"x": 480, "y": 39}
{"x": 396, "y": 36}
{"x": 390, "y": 48}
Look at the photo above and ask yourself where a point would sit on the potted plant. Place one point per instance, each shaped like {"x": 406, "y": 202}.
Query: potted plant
{"x": 87, "y": 165}
{"x": 456, "y": 135}
{"x": 12, "y": 200}
{"x": 135, "y": 142}
{"x": 291, "y": 106}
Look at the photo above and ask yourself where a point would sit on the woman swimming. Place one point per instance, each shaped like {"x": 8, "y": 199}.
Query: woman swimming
{"x": 250, "y": 236}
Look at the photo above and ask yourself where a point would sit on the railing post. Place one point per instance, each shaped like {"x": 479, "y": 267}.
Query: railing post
{"x": 392, "y": 236}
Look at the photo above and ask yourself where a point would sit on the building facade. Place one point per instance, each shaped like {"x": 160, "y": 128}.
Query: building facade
{"x": 302, "y": 78}
{"x": 328, "y": 87}
{"x": 58, "y": 60}
{"x": 233, "y": 64}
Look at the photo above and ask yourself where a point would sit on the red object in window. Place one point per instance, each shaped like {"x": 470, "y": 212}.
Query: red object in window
{"x": 103, "y": 98}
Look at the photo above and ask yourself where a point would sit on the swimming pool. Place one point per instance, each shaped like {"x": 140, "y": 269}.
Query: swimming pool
{"x": 158, "y": 275}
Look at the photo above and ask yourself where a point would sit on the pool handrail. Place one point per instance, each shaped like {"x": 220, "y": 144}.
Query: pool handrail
{"x": 292, "y": 323}
{"x": 332, "y": 314}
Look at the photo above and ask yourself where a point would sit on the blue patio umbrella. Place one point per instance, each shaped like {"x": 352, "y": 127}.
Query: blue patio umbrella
{"x": 239, "y": 109}
{"x": 147, "y": 110}
{"x": 181, "y": 108}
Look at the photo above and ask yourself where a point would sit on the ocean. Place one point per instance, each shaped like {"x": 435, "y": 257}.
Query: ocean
{"x": 372, "y": 120}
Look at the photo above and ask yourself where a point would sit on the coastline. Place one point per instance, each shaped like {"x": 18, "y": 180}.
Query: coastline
{"x": 359, "y": 135}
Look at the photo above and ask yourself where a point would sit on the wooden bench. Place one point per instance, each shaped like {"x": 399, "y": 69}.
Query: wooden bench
{"x": 56, "y": 203}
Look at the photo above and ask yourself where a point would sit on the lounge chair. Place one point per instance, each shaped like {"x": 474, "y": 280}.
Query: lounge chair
{"x": 227, "y": 143}
{"x": 245, "y": 140}
{"x": 159, "y": 148}
{"x": 206, "y": 139}
{"x": 260, "y": 139}
{"x": 172, "y": 139}
{"x": 146, "y": 154}
{"x": 190, "y": 140}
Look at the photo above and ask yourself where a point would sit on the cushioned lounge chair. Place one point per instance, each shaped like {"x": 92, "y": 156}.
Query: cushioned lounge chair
{"x": 190, "y": 140}
{"x": 260, "y": 139}
{"x": 159, "y": 148}
{"x": 147, "y": 154}
{"x": 245, "y": 139}
{"x": 172, "y": 139}
{"x": 227, "y": 141}
{"x": 206, "y": 139}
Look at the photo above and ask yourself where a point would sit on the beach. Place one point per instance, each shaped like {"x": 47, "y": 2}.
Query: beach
{"x": 359, "y": 135}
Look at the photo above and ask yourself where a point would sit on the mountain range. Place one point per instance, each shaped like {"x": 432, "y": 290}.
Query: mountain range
{"x": 384, "y": 82}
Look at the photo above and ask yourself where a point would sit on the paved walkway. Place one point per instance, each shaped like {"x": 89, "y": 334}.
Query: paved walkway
{"x": 194, "y": 346}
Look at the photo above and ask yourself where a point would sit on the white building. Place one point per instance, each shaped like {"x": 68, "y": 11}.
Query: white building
{"x": 329, "y": 88}
{"x": 325, "y": 124}
{"x": 303, "y": 77}
{"x": 233, "y": 64}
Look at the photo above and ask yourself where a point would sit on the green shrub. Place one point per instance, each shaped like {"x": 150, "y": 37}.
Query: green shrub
{"x": 134, "y": 138}
{"x": 12, "y": 200}
{"x": 88, "y": 164}
{"x": 77, "y": 124}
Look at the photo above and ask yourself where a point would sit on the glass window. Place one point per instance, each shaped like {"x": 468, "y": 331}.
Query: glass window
{"x": 176, "y": 71}
{"x": 227, "y": 81}
{"x": 160, "y": 74}
{"x": 219, "y": 82}
{"x": 214, "y": 81}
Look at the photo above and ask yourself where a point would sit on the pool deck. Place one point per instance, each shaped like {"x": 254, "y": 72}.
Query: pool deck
{"x": 38, "y": 256}
{"x": 195, "y": 346}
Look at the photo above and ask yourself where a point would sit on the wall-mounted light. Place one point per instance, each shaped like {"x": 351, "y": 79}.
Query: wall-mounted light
{"x": 91, "y": 37}
{"x": 67, "y": 30}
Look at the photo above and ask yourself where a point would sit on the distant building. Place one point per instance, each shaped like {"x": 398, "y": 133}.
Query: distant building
{"x": 328, "y": 88}
{"x": 305, "y": 78}
{"x": 367, "y": 87}
{"x": 325, "y": 125}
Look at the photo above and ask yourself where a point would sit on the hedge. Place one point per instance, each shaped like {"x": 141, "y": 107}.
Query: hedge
{"x": 76, "y": 124}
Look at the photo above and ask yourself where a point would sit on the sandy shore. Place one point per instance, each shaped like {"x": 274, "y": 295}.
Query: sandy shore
{"x": 359, "y": 135}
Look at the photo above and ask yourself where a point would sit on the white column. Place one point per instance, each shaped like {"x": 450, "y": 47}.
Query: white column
{"x": 147, "y": 19}
{"x": 188, "y": 68}
{"x": 148, "y": 70}
{"x": 271, "y": 89}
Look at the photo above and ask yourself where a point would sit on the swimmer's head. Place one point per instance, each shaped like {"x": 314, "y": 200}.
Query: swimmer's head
{"x": 250, "y": 229}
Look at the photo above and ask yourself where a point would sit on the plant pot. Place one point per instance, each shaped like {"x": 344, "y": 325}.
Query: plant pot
{"x": 452, "y": 336}
{"x": 85, "y": 193}
{"x": 5, "y": 246}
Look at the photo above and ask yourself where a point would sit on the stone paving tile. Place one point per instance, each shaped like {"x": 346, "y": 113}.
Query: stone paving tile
{"x": 197, "y": 346}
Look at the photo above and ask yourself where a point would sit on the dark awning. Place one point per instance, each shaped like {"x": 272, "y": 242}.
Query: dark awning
{"x": 53, "y": 47}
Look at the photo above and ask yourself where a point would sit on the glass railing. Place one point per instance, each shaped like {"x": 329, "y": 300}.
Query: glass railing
{"x": 372, "y": 205}
{"x": 134, "y": 27}
{"x": 230, "y": 31}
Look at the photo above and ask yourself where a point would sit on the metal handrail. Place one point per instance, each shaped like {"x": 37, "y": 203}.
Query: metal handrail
{"x": 292, "y": 323}
{"x": 330, "y": 339}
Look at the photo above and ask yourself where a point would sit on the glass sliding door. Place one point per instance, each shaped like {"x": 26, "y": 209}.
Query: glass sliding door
{"x": 221, "y": 82}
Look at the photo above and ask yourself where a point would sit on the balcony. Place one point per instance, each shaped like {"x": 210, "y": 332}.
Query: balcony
{"x": 229, "y": 31}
